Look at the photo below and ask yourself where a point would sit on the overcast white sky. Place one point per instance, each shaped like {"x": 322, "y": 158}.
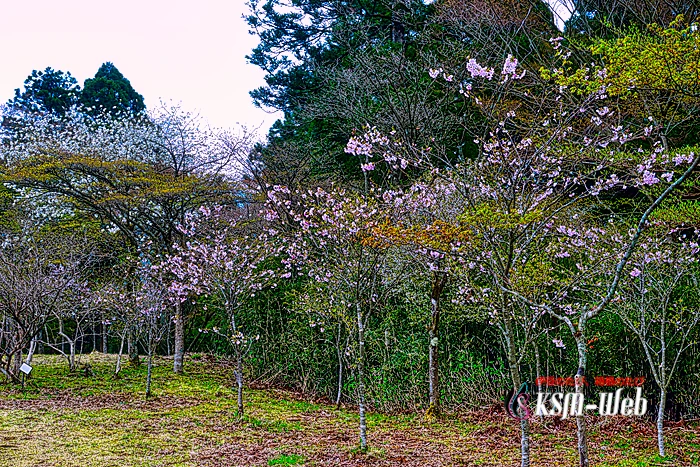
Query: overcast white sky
{"x": 562, "y": 9}
{"x": 182, "y": 50}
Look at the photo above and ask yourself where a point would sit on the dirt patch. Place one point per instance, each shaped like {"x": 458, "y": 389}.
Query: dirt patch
{"x": 485, "y": 439}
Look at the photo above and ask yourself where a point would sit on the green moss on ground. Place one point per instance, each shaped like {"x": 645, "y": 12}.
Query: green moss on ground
{"x": 65, "y": 420}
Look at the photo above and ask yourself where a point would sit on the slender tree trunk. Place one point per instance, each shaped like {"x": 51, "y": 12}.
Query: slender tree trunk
{"x": 660, "y": 422}
{"x": 360, "y": 378}
{"x": 239, "y": 349}
{"x": 16, "y": 363}
{"x": 132, "y": 347}
{"x": 5, "y": 326}
{"x": 339, "y": 394}
{"x": 663, "y": 374}
{"x": 167, "y": 340}
{"x": 71, "y": 346}
{"x": 149, "y": 372}
{"x": 179, "y": 350}
{"x": 239, "y": 380}
{"x": 15, "y": 359}
{"x": 104, "y": 336}
{"x": 387, "y": 348}
{"x": 581, "y": 431}
{"x": 340, "y": 352}
{"x": 71, "y": 356}
{"x": 512, "y": 355}
{"x": 538, "y": 367}
{"x": 433, "y": 334}
{"x": 32, "y": 349}
{"x": 118, "y": 366}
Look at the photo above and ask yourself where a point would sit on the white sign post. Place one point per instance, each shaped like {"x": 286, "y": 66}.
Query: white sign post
{"x": 25, "y": 369}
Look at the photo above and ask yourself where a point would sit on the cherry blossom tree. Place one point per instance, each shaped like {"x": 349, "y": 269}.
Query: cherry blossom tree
{"x": 423, "y": 228}
{"x": 142, "y": 307}
{"x": 657, "y": 301}
{"x": 40, "y": 278}
{"x": 222, "y": 257}
{"x": 152, "y": 311}
{"x": 118, "y": 300}
{"x": 139, "y": 175}
{"x": 331, "y": 245}
{"x": 589, "y": 254}
{"x": 75, "y": 313}
{"x": 530, "y": 185}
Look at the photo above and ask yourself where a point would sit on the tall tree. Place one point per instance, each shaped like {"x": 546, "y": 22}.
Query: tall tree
{"x": 221, "y": 257}
{"x": 47, "y": 91}
{"x": 110, "y": 91}
{"x": 39, "y": 276}
{"x": 658, "y": 304}
{"x": 332, "y": 248}
{"x": 305, "y": 45}
{"x": 298, "y": 36}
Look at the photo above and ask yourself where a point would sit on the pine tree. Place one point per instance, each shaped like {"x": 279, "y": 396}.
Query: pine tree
{"x": 110, "y": 91}
{"x": 47, "y": 91}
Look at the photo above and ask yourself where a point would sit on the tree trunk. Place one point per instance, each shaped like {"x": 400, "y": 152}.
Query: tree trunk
{"x": 71, "y": 356}
{"x": 40, "y": 342}
{"x": 104, "y": 337}
{"x": 71, "y": 346}
{"x": 517, "y": 382}
{"x": 179, "y": 350}
{"x": 360, "y": 379}
{"x": 581, "y": 432}
{"x": 167, "y": 340}
{"x": 239, "y": 381}
{"x": 538, "y": 367}
{"x": 660, "y": 422}
{"x": 16, "y": 363}
{"x": 339, "y": 394}
{"x": 3, "y": 336}
{"x": 118, "y": 366}
{"x": 149, "y": 372}
{"x": 132, "y": 348}
{"x": 433, "y": 334}
{"x": 340, "y": 352}
{"x": 32, "y": 349}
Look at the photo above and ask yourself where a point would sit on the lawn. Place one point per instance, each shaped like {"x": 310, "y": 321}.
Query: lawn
{"x": 64, "y": 420}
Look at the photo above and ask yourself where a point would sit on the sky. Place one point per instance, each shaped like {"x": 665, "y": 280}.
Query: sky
{"x": 562, "y": 9}
{"x": 183, "y": 51}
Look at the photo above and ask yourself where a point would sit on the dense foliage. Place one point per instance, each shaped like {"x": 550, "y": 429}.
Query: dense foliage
{"x": 54, "y": 91}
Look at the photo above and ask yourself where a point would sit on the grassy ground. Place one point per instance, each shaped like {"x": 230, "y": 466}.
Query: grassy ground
{"x": 67, "y": 420}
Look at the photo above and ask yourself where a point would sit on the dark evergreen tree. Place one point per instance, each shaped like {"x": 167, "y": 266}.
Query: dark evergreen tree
{"x": 304, "y": 45}
{"x": 604, "y": 17}
{"x": 110, "y": 91}
{"x": 298, "y": 38}
{"x": 47, "y": 91}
